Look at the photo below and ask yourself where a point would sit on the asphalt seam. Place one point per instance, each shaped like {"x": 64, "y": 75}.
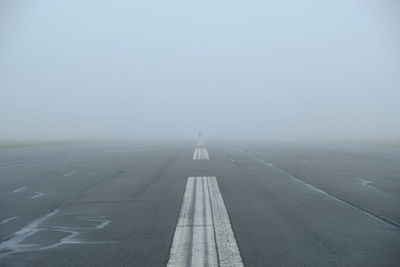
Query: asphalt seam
{"x": 350, "y": 203}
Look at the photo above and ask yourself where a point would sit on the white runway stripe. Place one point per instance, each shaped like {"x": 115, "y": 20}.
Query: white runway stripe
{"x": 201, "y": 154}
{"x": 203, "y": 235}
{"x": 206, "y": 156}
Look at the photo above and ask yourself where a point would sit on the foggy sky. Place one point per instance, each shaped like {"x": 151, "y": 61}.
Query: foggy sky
{"x": 165, "y": 69}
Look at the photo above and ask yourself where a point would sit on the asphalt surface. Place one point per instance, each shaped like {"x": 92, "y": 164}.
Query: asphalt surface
{"x": 118, "y": 203}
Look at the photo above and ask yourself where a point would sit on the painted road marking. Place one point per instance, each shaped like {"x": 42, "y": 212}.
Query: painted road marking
{"x": 16, "y": 243}
{"x": 203, "y": 235}
{"x": 206, "y": 156}
{"x": 20, "y": 189}
{"x": 91, "y": 173}
{"x": 368, "y": 184}
{"x": 69, "y": 173}
{"x": 8, "y": 220}
{"x": 201, "y": 154}
{"x": 37, "y": 194}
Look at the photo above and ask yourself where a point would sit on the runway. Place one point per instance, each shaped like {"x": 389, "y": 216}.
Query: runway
{"x": 204, "y": 203}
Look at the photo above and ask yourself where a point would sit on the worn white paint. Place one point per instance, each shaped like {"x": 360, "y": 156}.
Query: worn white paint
{"x": 34, "y": 165}
{"x": 333, "y": 196}
{"x": 16, "y": 243}
{"x": 8, "y": 220}
{"x": 201, "y": 154}
{"x": 20, "y": 189}
{"x": 37, "y": 195}
{"x": 203, "y": 235}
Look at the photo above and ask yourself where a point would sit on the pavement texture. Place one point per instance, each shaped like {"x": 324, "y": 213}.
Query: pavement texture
{"x": 118, "y": 203}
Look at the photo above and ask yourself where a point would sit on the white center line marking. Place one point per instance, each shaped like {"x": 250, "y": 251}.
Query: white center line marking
{"x": 201, "y": 154}
{"x": 91, "y": 173}
{"x": 20, "y": 189}
{"x": 368, "y": 184}
{"x": 195, "y": 154}
{"x": 203, "y": 235}
{"x": 69, "y": 173}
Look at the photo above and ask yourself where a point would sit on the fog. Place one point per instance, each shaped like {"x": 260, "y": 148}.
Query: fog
{"x": 268, "y": 70}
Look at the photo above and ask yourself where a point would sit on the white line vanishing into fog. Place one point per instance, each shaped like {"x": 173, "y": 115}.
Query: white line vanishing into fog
{"x": 91, "y": 173}
{"x": 69, "y": 173}
{"x": 201, "y": 154}
{"x": 203, "y": 235}
{"x": 20, "y": 189}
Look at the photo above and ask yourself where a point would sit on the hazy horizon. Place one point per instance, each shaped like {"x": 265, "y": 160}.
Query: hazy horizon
{"x": 271, "y": 70}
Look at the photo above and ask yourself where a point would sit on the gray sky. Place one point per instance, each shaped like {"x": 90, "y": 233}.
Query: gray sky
{"x": 235, "y": 69}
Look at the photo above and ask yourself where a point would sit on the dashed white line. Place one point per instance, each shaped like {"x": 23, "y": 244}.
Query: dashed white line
{"x": 201, "y": 154}
{"x": 37, "y": 195}
{"x": 69, "y": 173}
{"x": 100, "y": 220}
{"x": 20, "y": 189}
{"x": 203, "y": 235}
